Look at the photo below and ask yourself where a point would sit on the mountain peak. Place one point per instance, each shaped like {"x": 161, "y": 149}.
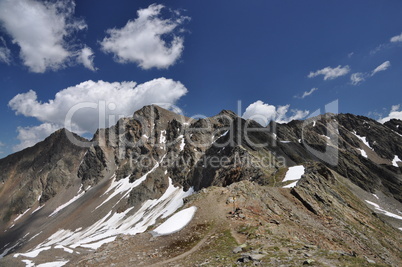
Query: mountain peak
{"x": 228, "y": 113}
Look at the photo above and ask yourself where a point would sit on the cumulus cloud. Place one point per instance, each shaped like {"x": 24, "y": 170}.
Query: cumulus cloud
{"x": 5, "y": 53}
{"x": 86, "y": 58}
{"x": 143, "y": 40}
{"x": 330, "y": 73}
{"x": 29, "y": 136}
{"x": 85, "y": 103}
{"x": 40, "y": 29}
{"x": 263, "y": 113}
{"x": 396, "y": 39}
{"x": 395, "y": 113}
{"x": 307, "y": 93}
{"x": 357, "y": 78}
{"x": 384, "y": 66}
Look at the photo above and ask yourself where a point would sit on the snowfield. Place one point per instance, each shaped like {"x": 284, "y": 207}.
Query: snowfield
{"x": 113, "y": 224}
{"x": 175, "y": 223}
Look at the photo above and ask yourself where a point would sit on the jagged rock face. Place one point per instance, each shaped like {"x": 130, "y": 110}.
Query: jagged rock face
{"x": 38, "y": 173}
{"x": 395, "y": 125}
{"x": 190, "y": 151}
{"x": 135, "y": 163}
{"x": 365, "y": 148}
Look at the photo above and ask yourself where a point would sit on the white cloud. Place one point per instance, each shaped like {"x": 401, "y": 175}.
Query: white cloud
{"x": 260, "y": 112}
{"x": 395, "y": 113}
{"x": 384, "y": 66}
{"x": 331, "y": 73}
{"x": 29, "y": 136}
{"x": 397, "y": 38}
{"x": 143, "y": 40}
{"x": 86, "y": 58}
{"x": 264, "y": 113}
{"x": 41, "y": 30}
{"x": 307, "y": 93}
{"x": 5, "y": 53}
{"x": 119, "y": 99}
{"x": 392, "y": 41}
{"x": 282, "y": 116}
{"x": 357, "y": 78}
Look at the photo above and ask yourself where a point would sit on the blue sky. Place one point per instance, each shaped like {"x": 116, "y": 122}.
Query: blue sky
{"x": 281, "y": 59}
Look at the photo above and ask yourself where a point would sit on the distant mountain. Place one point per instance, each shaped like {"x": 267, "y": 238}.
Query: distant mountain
{"x": 327, "y": 190}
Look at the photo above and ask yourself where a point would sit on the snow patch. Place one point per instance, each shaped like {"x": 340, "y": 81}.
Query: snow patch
{"x": 291, "y": 185}
{"x": 183, "y": 143}
{"x": 175, "y": 223}
{"x": 32, "y": 254}
{"x": 80, "y": 193}
{"x": 53, "y": 264}
{"x": 376, "y": 196}
{"x": 28, "y": 263}
{"x": 38, "y": 208}
{"x": 293, "y": 173}
{"x": 285, "y": 142}
{"x": 363, "y": 139}
{"x": 35, "y": 236}
{"x": 68, "y": 250}
{"x": 98, "y": 244}
{"x": 395, "y": 160}
{"x": 21, "y": 215}
{"x": 314, "y": 123}
{"x": 385, "y": 212}
{"x": 363, "y": 153}
{"x": 162, "y": 138}
{"x": 213, "y": 136}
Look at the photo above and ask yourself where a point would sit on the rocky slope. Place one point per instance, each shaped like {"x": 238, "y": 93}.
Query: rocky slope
{"x": 65, "y": 201}
{"x": 31, "y": 177}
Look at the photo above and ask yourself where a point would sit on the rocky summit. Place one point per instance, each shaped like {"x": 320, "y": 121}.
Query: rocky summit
{"x": 162, "y": 189}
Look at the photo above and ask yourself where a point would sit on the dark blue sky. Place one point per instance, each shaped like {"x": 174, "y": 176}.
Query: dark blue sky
{"x": 233, "y": 50}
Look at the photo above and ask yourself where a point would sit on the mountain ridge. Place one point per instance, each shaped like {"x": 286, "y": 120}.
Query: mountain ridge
{"x": 151, "y": 161}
